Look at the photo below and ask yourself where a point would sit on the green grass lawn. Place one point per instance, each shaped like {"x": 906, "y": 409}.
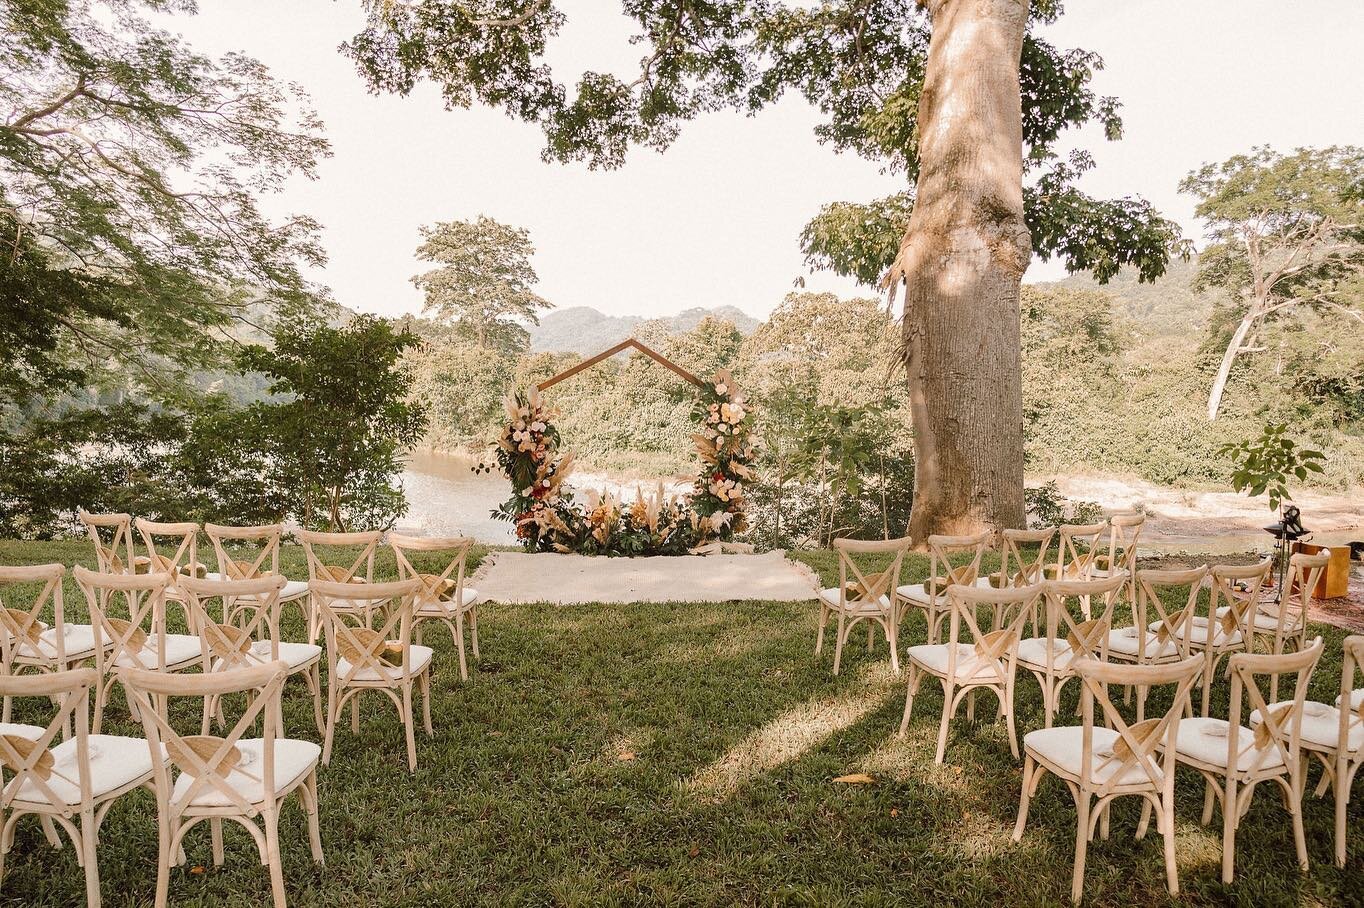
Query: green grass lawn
{"x": 683, "y": 755}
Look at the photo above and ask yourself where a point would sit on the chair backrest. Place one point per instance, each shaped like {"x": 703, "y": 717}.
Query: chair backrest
{"x": 326, "y": 563}
{"x": 1123, "y": 532}
{"x": 144, "y": 603}
{"x": 184, "y": 558}
{"x": 1305, "y": 572}
{"x": 995, "y": 642}
{"x": 1086, "y": 637}
{"x": 1353, "y": 661}
{"x": 864, "y": 586}
{"x": 1241, "y": 604}
{"x": 453, "y": 556}
{"x": 1281, "y": 723}
{"x": 27, "y": 769}
{"x": 1139, "y": 744}
{"x": 942, "y": 549}
{"x": 247, "y": 616}
{"x": 1017, "y": 568}
{"x": 112, "y": 535}
{"x": 350, "y": 636}
{"x": 262, "y": 540}
{"x": 1076, "y": 550}
{"x": 1177, "y": 624}
{"x": 209, "y": 760}
{"x": 24, "y": 595}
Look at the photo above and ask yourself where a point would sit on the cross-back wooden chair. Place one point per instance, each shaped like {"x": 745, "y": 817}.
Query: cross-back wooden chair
{"x": 137, "y": 637}
{"x": 1280, "y": 627}
{"x": 1066, "y": 637}
{"x": 243, "y": 632}
{"x": 182, "y": 539}
{"x": 112, "y": 536}
{"x": 1233, "y": 759}
{"x": 1341, "y": 761}
{"x": 1123, "y": 532}
{"x": 443, "y": 596}
{"x": 225, "y": 778}
{"x": 27, "y": 641}
{"x": 258, "y": 547}
{"x": 382, "y": 658}
{"x": 329, "y": 559}
{"x": 72, "y": 784}
{"x": 977, "y": 656}
{"x": 1077, "y": 548}
{"x": 1159, "y": 632}
{"x": 1100, "y": 763}
{"x": 1232, "y": 603}
{"x": 863, "y": 595}
{"x": 1017, "y": 568}
{"x": 930, "y": 597}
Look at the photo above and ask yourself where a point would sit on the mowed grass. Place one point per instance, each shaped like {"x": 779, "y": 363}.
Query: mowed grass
{"x": 682, "y": 755}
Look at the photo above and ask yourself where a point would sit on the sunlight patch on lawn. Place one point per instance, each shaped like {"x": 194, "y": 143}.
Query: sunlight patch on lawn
{"x": 789, "y": 735}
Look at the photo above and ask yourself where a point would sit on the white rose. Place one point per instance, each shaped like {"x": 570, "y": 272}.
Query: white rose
{"x": 721, "y": 389}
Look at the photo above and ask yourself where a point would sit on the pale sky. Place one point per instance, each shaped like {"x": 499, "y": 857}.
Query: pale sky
{"x": 716, "y": 219}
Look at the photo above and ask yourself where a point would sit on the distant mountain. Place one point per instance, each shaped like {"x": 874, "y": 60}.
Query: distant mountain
{"x": 582, "y": 329}
{"x": 1168, "y": 307}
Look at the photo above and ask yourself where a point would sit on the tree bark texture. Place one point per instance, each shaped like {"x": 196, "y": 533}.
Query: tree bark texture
{"x": 962, "y": 261}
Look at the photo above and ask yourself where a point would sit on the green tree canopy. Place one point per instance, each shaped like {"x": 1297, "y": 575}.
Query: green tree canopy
{"x": 1286, "y": 234}
{"x": 130, "y": 168}
{"x": 860, "y": 62}
{"x": 483, "y": 285}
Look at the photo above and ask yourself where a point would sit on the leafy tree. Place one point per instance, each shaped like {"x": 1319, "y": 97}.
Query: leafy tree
{"x": 1287, "y": 232}
{"x": 1267, "y": 463}
{"x": 932, "y": 88}
{"x": 347, "y": 416}
{"x": 130, "y": 168}
{"x": 483, "y": 284}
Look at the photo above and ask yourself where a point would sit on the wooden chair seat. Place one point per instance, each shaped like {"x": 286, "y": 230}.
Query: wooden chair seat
{"x": 294, "y": 761}
{"x": 1061, "y": 751}
{"x": 1321, "y": 727}
{"x": 420, "y": 659}
{"x": 1204, "y": 741}
{"x": 932, "y": 658}
{"x": 117, "y": 763}
{"x": 182, "y": 650}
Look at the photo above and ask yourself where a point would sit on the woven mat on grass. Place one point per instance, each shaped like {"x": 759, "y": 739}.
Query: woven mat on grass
{"x": 569, "y": 579}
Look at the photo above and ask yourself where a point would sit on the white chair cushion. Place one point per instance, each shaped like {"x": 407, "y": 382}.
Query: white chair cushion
{"x": 293, "y": 760}
{"x": 1033, "y": 653}
{"x": 1267, "y": 620}
{"x": 295, "y": 655}
{"x": 78, "y": 642}
{"x": 419, "y": 657}
{"x": 293, "y": 589}
{"x": 1356, "y": 698}
{"x": 1198, "y": 634}
{"x": 915, "y": 592}
{"x": 427, "y": 607}
{"x": 19, "y": 730}
{"x": 1064, "y": 747}
{"x": 115, "y": 761}
{"x": 180, "y": 650}
{"x": 1124, "y": 641}
{"x": 1320, "y": 725}
{"x": 1205, "y": 740}
{"x": 830, "y": 596}
{"x": 933, "y": 657}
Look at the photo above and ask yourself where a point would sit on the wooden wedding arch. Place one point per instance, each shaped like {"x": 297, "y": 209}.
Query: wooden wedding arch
{"x": 607, "y": 354}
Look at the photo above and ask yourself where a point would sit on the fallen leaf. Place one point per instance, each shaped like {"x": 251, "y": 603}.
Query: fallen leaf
{"x": 494, "y": 734}
{"x": 627, "y": 756}
{"x": 894, "y": 811}
{"x": 197, "y": 869}
{"x": 857, "y": 778}
{"x": 693, "y": 851}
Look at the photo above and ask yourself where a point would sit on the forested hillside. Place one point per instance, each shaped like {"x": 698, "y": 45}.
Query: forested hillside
{"x": 582, "y": 329}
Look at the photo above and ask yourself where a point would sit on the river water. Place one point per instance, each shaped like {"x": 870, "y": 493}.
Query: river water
{"x": 446, "y": 497}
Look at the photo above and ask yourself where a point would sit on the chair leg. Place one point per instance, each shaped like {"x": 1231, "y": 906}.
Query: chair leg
{"x": 1231, "y": 815}
{"x": 1077, "y": 880}
{"x": 911, "y": 687}
{"x": 1295, "y": 784}
{"x": 163, "y": 857}
{"x": 948, "y": 708}
{"x": 408, "y": 722}
{"x": 1166, "y": 821}
{"x": 310, "y": 808}
{"x": 50, "y": 832}
{"x": 87, "y": 847}
{"x": 271, "y": 822}
{"x": 823, "y": 623}
{"x": 892, "y": 639}
{"x": 355, "y": 714}
{"x": 459, "y": 644}
{"x": 473, "y": 631}
{"x": 1006, "y": 706}
{"x": 314, "y": 678}
{"x": 215, "y": 828}
{"x": 333, "y": 716}
{"x": 426, "y": 703}
{"x": 1029, "y": 783}
{"x": 838, "y": 644}
{"x": 1342, "y": 802}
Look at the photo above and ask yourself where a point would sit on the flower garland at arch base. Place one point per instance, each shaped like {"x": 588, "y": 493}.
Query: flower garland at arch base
{"x": 549, "y": 519}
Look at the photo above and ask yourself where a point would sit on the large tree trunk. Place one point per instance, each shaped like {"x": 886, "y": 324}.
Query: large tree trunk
{"x": 1238, "y": 340}
{"x": 962, "y": 261}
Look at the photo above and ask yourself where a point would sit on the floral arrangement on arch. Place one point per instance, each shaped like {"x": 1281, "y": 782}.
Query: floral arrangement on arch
{"x": 549, "y": 519}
